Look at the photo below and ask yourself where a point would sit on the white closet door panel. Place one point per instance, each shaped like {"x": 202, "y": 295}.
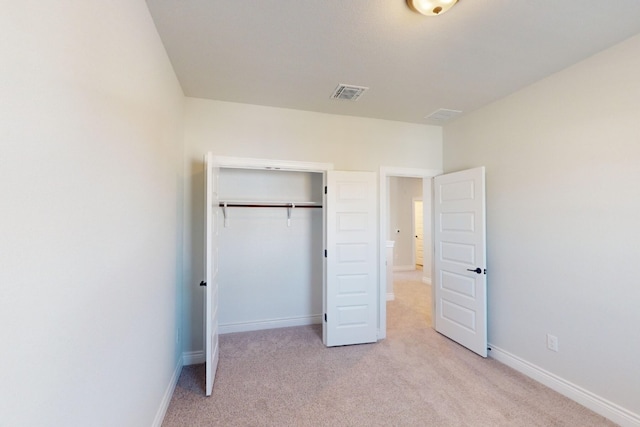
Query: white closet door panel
{"x": 352, "y": 282}
{"x": 212, "y": 227}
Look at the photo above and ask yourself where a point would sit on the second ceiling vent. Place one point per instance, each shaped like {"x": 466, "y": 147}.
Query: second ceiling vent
{"x": 443, "y": 114}
{"x": 348, "y": 92}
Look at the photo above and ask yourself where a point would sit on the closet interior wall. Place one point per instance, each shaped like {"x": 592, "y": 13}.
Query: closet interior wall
{"x": 271, "y": 269}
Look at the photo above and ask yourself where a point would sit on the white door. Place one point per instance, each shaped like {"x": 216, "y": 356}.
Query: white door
{"x": 211, "y": 271}
{"x": 460, "y": 258}
{"x": 418, "y": 230}
{"x": 351, "y": 295}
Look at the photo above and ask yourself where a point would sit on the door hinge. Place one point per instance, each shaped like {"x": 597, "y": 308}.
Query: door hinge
{"x": 485, "y": 271}
{"x": 325, "y": 253}
{"x": 325, "y": 189}
{"x": 203, "y": 283}
{"x": 325, "y": 317}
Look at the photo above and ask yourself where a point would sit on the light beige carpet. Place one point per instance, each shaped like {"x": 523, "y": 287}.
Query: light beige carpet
{"x": 415, "y": 377}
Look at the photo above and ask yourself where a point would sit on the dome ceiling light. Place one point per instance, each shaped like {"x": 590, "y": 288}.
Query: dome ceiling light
{"x": 431, "y": 7}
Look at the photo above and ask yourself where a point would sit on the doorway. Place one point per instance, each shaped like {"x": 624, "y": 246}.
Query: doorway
{"x": 403, "y": 193}
{"x": 271, "y": 243}
{"x": 411, "y": 306}
{"x": 425, "y": 177}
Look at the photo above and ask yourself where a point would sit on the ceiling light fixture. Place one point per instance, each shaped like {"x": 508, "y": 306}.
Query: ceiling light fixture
{"x": 431, "y": 7}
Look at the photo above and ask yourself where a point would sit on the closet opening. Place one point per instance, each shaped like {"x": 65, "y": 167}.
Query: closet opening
{"x": 271, "y": 243}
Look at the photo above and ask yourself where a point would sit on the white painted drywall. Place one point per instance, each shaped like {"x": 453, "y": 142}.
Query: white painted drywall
{"x": 402, "y": 191}
{"x": 240, "y": 130}
{"x": 90, "y": 180}
{"x": 270, "y": 270}
{"x": 563, "y": 211}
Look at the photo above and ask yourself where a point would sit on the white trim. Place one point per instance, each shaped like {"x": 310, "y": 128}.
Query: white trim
{"x": 289, "y": 165}
{"x": 391, "y": 296}
{"x": 270, "y": 324}
{"x": 168, "y": 394}
{"x": 193, "y": 357}
{"x": 404, "y": 268}
{"x": 584, "y": 397}
{"x": 385, "y": 172}
{"x": 426, "y": 280}
{"x": 410, "y": 172}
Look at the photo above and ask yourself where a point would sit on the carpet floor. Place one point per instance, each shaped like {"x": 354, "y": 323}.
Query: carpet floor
{"x": 415, "y": 377}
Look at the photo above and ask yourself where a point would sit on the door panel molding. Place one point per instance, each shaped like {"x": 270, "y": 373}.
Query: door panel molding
{"x": 351, "y": 304}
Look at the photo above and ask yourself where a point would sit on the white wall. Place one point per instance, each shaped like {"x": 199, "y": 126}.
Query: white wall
{"x": 270, "y": 270}
{"x": 402, "y": 191}
{"x": 90, "y": 179}
{"x": 240, "y": 130}
{"x": 563, "y": 203}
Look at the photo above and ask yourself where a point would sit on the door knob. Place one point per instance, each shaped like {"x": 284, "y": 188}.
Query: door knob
{"x": 477, "y": 270}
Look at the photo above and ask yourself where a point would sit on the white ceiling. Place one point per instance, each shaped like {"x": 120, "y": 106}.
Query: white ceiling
{"x": 293, "y": 53}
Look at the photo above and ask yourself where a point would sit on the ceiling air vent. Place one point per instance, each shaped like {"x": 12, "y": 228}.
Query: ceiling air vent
{"x": 348, "y": 92}
{"x": 443, "y": 114}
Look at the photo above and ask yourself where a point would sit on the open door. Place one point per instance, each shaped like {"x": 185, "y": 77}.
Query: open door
{"x": 211, "y": 271}
{"x": 460, "y": 258}
{"x": 351, "y": 295}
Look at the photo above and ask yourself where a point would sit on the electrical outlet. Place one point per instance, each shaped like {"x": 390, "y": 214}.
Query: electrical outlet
{"x": 552, "y": 342}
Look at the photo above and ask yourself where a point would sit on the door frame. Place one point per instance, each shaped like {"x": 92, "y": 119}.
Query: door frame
{"x": 383, "y": 215}
{"x": 269, "y": 164}
{"x": 226, "y": 162}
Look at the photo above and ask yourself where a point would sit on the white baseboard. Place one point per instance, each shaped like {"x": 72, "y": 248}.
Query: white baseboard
{"x": 404, "y": 267}
{"x": 426, "y": 280}
{"x": 193, "y": 357}
{"x": 584, "y": 397}
{"x": 168, "y": 393}
{"x": 270, "y": 324}
{"x": 390, "y": 296}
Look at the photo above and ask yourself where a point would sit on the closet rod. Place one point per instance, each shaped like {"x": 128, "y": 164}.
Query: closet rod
{"x": 254, "y": 205}
{"x": 290, "y": 207}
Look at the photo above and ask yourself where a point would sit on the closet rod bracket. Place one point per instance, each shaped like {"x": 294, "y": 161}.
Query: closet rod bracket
{"x": 224, "y": 214}
{"x": 289, "y": 210}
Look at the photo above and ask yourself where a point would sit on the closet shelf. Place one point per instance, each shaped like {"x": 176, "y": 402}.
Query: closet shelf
{"x": 290, "y": 206}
